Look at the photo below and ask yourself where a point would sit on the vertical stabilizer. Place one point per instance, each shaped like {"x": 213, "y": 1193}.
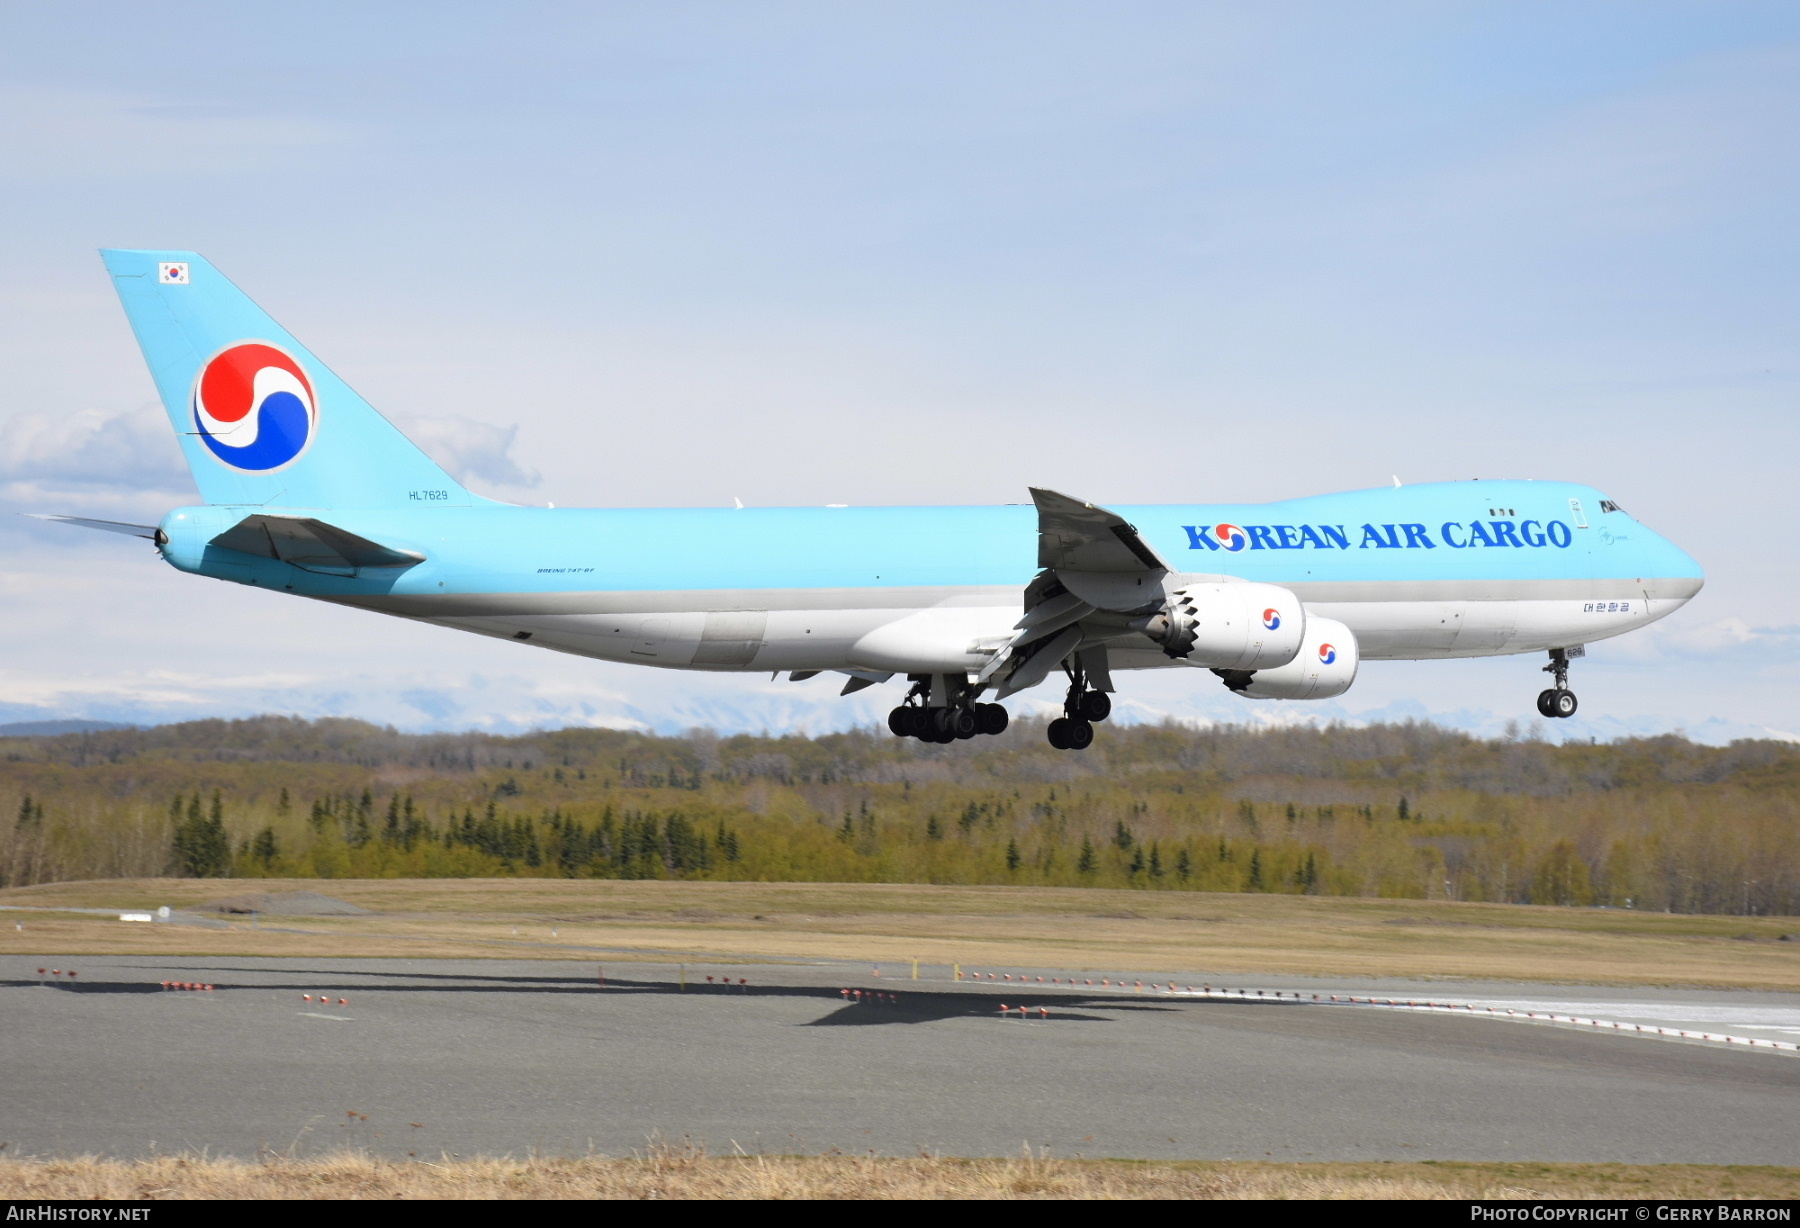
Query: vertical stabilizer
{"x": 262, "y": 421}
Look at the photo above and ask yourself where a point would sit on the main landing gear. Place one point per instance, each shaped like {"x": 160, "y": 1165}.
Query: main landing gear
{"x": 937, "y": 710}
{"x": 1559, "y": 700}
{"x": 1082, "y": 709}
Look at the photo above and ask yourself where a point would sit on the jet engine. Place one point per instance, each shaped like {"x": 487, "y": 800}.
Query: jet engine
{"x": 1325, "y": 667}
{"x": 1228, "y": 626}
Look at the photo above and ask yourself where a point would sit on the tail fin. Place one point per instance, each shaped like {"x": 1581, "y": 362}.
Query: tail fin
{"x": 261, "y": 420}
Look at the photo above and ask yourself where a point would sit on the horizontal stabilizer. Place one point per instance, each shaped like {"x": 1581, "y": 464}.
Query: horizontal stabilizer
{"x": 312, "y": 545}
{"x": 105, "y": 526}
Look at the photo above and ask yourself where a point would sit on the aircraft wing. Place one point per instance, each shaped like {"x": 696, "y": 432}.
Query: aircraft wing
{"x": 1094, "y": 563}
{"x": 1078, "y": 536}
{"x": 312, "y": 545}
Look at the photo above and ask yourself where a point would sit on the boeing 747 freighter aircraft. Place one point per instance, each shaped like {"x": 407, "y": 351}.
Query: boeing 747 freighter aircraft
{"x": 309, "y": 491}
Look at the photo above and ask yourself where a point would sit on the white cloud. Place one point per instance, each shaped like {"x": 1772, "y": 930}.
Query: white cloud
{"x": 92, "y": 461}
{"x": 468, "y": 449}
{"x": 1725, "y": 638}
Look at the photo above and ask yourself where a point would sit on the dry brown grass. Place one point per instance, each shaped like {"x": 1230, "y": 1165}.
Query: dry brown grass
{"x": 670, "y": 1172}
{"x": 993, "y": 927}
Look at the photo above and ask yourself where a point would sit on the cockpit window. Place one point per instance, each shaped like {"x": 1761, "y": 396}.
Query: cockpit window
{"x": 1607, "y": 505}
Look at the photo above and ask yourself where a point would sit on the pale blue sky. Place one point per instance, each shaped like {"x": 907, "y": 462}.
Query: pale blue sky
{"x": 810, "y": 253}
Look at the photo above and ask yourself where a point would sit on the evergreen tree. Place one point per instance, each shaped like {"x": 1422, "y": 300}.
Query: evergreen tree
{"x": 200, "y": 847}
{"x": 1184, "y": 865}
{"x": 390, "y": 830}
{"x": 847, "y": 832}
{"x": 1122, "y": 837}
{"x": 1087, "y": 863}
{"x": 1405, "y": 811}
{"x": 970, "y": 816}
{"x": 1137, "y": 863}
{"x": 933, "y": 829}
{"x": 1156, "y": 866}
{"x": 1256, "y": 873}
{"x": 283, "y": 804}
{"x": 31, "y": 814}
{"x": 265, "y": 848}
{"x": 683, "y": 842}
{"x": 1012, "y": 855}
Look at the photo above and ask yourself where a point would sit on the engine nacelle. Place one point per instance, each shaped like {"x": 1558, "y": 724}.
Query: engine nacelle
{"x": 1229, "y": 626}
{"x": 1325, "y": 667}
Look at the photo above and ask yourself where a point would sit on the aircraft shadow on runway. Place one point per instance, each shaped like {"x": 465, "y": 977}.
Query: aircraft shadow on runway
{"x": 913, "y": 1005}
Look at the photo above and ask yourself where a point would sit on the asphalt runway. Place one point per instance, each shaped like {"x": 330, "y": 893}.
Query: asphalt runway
{"x": 503, "y": 1056}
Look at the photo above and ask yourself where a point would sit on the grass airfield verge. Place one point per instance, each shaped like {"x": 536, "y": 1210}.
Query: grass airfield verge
{"x": 993, "y": 927}
{"x": 679, "y": 1173}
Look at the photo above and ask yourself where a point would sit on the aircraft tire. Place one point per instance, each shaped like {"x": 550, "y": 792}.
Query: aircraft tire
{"x": 1094, "y": 706}
{"x": 1546, "y": 703}
{"x": 1565, "y": 703}
{"x": 1080, "y": 735}
{"x": 897, "y": 722}
{"x": 918, "y": 724}
{"x": 1058, "y": 732}
{"x": 963, "y": 723}
{"x": 993, "y": 718}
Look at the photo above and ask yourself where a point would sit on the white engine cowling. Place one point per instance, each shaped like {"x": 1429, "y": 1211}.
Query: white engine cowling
{"x": 1229, "y": 626}
{"x": 1325, "y": 667}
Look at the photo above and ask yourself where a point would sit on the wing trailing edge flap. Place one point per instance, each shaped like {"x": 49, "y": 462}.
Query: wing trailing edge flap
{"x": 859, "y": 678}
{"x": 312, "y": 545}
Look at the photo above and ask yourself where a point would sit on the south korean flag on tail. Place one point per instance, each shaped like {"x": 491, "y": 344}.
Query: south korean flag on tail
{"x": 172, "y": 273}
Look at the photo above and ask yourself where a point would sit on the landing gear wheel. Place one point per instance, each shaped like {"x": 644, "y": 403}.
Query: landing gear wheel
{"x": 940, "y": 726}
{"x": 962, "y": 723}
{"x": 992, "y": 717}
{"x": 1057, "y": 733}
{"x": 1559, "y": 700}
{"x": 1067, "y": 734}
{"x": 1093, "y": 706}
{"x": 899, "y": 722}
{"x": 918, "y": 724}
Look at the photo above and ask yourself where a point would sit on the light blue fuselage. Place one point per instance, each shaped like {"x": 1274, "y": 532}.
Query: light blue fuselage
{"x": 309, "y": 490}
{"x": 1447, "y": 569}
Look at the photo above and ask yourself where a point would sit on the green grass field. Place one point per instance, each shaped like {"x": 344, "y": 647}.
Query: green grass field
{"x": 1070, "y": 928}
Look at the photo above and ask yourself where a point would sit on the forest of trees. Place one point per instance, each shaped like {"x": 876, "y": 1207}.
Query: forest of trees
{"x": 1406, "y": 810}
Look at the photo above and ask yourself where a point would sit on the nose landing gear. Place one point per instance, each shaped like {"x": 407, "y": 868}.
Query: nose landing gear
{"x": 1559, "y": 700}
